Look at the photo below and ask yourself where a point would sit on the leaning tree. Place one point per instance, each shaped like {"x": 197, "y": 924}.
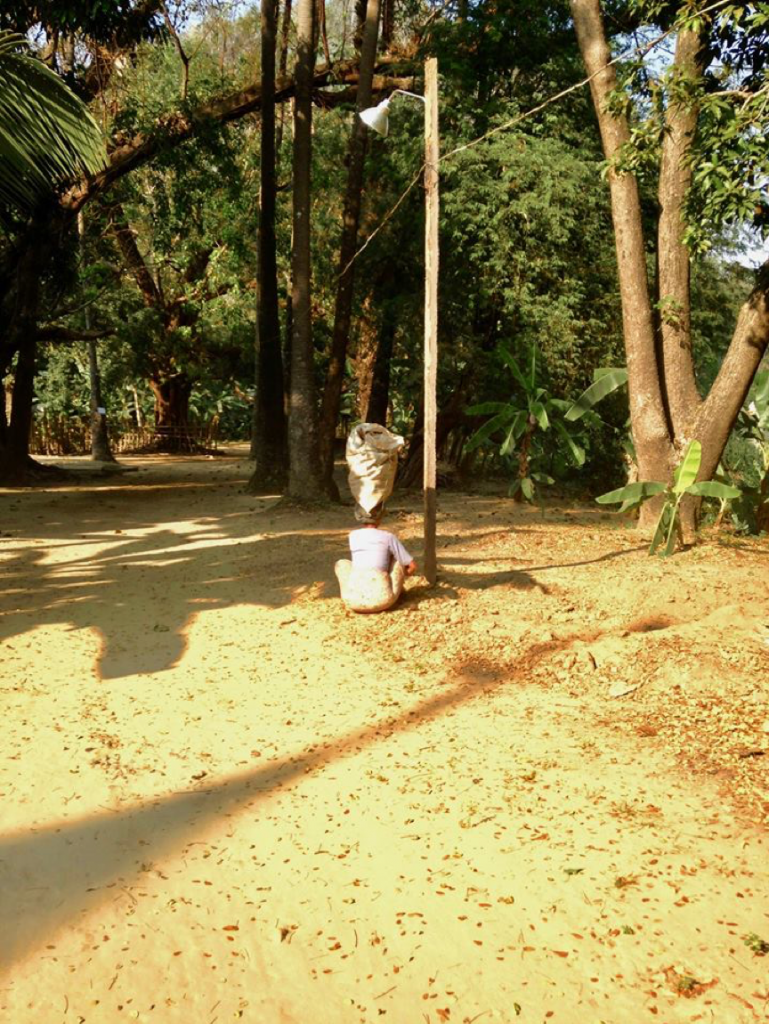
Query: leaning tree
{"x": 704, "y": 131}
{"x": 35, "y": 242}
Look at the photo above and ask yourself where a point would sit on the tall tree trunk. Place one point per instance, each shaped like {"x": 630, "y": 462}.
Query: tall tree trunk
{"x": 376, "y": 340}
{"x": 388, "y": 23}
{"x": 20, "y": 426}
{"x": 270, "y": 440}
{"x": 20, "y": 338}
{"x": 675, "y": 354}
{"x": 320, "y": 28}
{"x": 673, "y": 268}
{"x": 379, "y": 395}
{"x": 350, "y": 219}
{"x": 650, "y": 431}
{"x": 4, "y": 403}
{"x": 284, "y": 27}
{"x": 100, "y": 447}
{"x": 304, "y": 481}
{"x": 366, "y": 353}
{"x": 254, "y": 447}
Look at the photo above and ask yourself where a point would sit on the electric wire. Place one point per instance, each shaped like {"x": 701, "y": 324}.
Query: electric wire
{"x": 641, "y": 49}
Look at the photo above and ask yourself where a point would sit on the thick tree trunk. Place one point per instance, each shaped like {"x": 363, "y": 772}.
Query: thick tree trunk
{"x": 304, "y": 481}
{"x": 650, "y": 431}
{"x": 379, "y": 395}
{"x": 679, "y": 386}
{"x": 20, "y": 426}
{"x": 388, "y": 23}
{"x": 676, "y": 360}
{"x": 254, "y": 408}
{"x": 20, "y": 338}
{"x": 270, "y": 440}
{"x": 356, "y": 156}
{"x": 366, "y": 354}
{"x": 172, "y": 404}
{"x": 664, "y": 387}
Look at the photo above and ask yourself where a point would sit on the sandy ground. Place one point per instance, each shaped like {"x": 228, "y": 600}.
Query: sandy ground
{"x": 536, "y": 792}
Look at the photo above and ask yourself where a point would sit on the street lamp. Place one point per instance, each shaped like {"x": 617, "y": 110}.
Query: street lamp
{"x": 377, "y": 119}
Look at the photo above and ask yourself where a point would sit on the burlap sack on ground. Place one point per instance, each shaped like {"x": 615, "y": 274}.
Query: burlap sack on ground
{"x": 372, "y": 460}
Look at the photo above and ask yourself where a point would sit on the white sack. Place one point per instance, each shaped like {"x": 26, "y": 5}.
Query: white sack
{"x": 372, "y": 459}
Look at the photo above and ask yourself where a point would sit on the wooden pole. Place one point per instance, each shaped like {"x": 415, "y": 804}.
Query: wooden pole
{"x": 100, "y": 446}
{"x": 431, "y": 316}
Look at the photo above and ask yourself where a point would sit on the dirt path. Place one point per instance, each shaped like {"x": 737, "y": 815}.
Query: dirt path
{"x": 538, "y": 792}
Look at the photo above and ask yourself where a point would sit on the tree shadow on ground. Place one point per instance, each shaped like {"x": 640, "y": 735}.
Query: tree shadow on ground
{"x": 463, "y": 580}
{"x": 51, "y": 876}
{"x": 157, "y": 557}
{"x": 608, "y": 557}
{"x": 145, "y": 575}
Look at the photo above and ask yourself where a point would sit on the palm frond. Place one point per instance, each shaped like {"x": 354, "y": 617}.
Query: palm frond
{"x": 47, "y": 135}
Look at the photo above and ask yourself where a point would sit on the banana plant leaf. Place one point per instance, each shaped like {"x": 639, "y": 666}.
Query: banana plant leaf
{"x": 714, "y": 489}
{"x": 486, "y": 408}
{"x": 539, "y": 412}
{"x": 576, "y": 451}
{"x": 610, "y": 380}
{"x": 497, "y": 422}
{"x": 517, "y": 428}
{"x": 516, "y": 370}
{"x": 632, "y": 495}
{"x": 688, "y": 468}
{"x": 665, "y": 530}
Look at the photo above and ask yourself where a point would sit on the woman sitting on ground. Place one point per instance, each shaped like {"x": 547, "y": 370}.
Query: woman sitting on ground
{"x": 373, "y": 580}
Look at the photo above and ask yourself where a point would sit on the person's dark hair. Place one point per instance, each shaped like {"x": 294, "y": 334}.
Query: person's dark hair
{"x": 372, "y": 517}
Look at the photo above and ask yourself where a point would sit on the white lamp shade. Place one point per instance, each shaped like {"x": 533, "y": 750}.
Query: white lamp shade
{"x": 376, "y": 117}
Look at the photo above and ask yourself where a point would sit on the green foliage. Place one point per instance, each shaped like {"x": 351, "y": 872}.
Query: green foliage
{"x": 527, "y": 252}
{"x": 47, "y": 135}
{"x": 61, "y": 387}
{"x": 719, "y": 288}
{"x": 606, "y": 381}
{"x": 525, "y": 219}
{"x": 730, "y": 158}
{"x": 746, "y": 459}
{"x": 496, "y": 52}
{"x": 106, "y": 21}
{"x": 684, "y": 483}
{"x": 530, "y": 411}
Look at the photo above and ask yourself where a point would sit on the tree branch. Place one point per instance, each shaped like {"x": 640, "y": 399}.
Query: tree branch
{"x": 198, "y": 264}
{"x": 180, "y": 50}
{"x": 57, "y": 333}
{"x": 134, "y": 260}
{"x": 174, "y": 129}
{"x": 381, "y": 84}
